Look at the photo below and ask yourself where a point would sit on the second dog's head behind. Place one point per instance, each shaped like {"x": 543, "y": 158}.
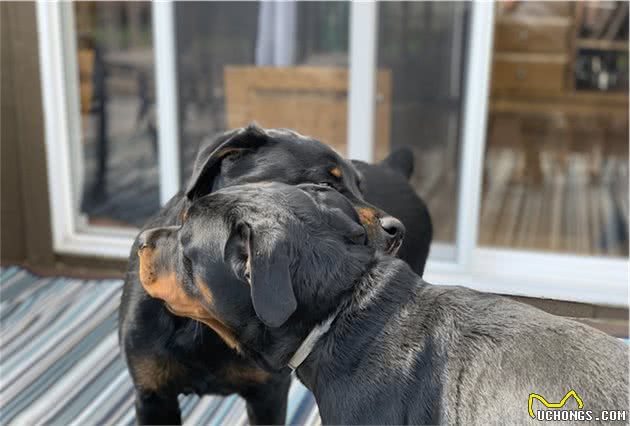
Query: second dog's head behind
{"x": 248, "y": 256}
{"x": 253, "y": 154}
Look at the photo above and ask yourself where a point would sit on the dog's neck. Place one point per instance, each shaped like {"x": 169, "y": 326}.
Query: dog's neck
{"x": 308, "y": 344}
{"x": 354, "y": 329}
{"x": 273, "y": 348}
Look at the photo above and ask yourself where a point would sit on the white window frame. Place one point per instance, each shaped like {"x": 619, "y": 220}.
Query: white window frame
{"x": 59, "y": 80}
{"x": 597, "y": 280}
{"x": 589, "y": 279}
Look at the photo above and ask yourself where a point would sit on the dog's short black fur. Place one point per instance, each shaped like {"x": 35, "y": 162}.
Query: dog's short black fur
{"x": 271, "y": 261}
{"x": 166, "y": 354}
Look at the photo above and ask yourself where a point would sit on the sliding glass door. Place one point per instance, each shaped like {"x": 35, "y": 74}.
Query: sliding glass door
{"x": 556, "y": 163}
{"x": 526, "y": 196}
{"x": 554, "y": 201}
{"x": 344, "y": 73}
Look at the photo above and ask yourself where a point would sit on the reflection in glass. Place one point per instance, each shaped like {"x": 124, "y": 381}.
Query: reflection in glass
{"x": 282, "y": 64}
{"x": 421, "y": 47}
{"x": 556, "y": 165}
{"x": 115, "y": 60}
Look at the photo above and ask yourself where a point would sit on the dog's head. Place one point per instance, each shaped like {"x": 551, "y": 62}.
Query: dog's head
{"x": 252, "y": 256}
{"x": 253, "y": 154}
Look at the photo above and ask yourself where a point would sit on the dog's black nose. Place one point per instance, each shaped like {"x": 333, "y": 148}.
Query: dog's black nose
{"x": 394, "y": 230}
{"x": 393, "y": 226}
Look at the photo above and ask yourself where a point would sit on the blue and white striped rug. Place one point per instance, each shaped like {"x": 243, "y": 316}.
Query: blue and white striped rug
{"x": 60, "y": 363}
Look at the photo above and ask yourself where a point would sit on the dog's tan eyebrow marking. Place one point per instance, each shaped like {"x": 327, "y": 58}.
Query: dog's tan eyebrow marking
{"x": 336, "y": 172}
{"x": 227, "y": 151}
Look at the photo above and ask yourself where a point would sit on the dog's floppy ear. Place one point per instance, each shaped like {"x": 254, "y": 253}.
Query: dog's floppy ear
{"x": 262, "y": 259}
{"x": 208, "y": 162}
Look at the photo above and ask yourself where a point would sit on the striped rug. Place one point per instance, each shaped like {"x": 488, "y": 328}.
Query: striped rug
{"x": 60, "y": 363}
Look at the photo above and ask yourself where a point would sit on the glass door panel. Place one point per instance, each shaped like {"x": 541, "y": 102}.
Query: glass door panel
{"x": 282, "y": 64}
{"x": 422, "y": 51}
{"x": 118, "y": 186}
{"x": 556, "y": 161}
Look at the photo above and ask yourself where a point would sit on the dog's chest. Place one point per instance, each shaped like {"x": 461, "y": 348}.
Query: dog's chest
{"x": 213, "y": 368}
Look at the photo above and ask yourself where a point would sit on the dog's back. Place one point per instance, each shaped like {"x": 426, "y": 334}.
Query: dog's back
{"x": 428, "y": 354}
{"x": 501, "y": 352}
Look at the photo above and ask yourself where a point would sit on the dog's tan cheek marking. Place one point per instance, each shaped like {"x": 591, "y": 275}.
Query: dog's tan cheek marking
{"x": 167, "y": 288}
{"x": 223, "y": 331}
{"x": 205, "y": 291}
{"x": 210, "y": 319}
{"x": 336, "y": 172}
{"x": 146, "y": 269}
{"x": 153, "y": 374}
{"x": 184, "y": 305}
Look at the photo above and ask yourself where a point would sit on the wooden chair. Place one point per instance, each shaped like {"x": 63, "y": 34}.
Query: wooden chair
{"x": 311, "y": 100}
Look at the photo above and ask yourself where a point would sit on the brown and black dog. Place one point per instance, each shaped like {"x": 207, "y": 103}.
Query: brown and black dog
{"x": 286, "y": 275}
{"x": 167, "y": 354}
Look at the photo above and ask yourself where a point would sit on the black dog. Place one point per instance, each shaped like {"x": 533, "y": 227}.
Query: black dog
{"x": 168, "y": 355}
{"x": 286, "y": 273}
{"x": 387, "y": 184}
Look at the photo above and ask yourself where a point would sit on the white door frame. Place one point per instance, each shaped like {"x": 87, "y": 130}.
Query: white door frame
{"x": 361, "y": 79}
{"x": 60, "y": 92}
{"x": 566, "y": 277}
{"x": 167, "y": 98}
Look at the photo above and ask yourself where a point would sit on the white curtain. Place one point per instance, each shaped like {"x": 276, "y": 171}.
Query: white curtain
{"x": 275, "y": 44}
